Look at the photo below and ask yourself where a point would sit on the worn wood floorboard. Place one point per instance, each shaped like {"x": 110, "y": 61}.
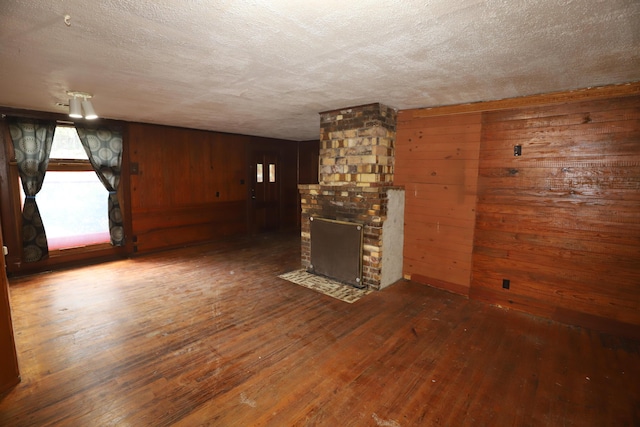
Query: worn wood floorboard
{"x": 210, "y": 336}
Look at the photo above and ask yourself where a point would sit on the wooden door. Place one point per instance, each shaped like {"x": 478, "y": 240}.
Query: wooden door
{"x": 9, "y": 374}
{"x": 265, "y": 191}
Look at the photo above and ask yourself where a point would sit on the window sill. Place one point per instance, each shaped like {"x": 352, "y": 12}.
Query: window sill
{"x": 77, "y": 242}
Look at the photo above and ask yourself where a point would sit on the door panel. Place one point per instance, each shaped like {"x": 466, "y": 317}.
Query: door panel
{"x": 265, "y": 191}
{"x": 9, "y": 374}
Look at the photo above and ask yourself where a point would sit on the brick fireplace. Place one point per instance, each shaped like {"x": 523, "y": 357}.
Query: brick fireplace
{"x": 356, "y": 187}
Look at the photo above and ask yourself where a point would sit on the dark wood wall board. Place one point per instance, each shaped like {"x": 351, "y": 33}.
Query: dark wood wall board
{"x": 193, "y": 186}
{"x": 184, "y": 167}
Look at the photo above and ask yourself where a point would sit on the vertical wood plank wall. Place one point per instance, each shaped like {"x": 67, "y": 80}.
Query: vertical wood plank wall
{"x": 9, "y": 369}
{"x": 308, "y": 155}
{"x": 179, "y": 186}
{"x": 188, "y": 185}
{"x": 192, "y": 185}
{"x": 561, "y": 222}
{"x": 437, "y": 162}
{"x": 308, "y": 169}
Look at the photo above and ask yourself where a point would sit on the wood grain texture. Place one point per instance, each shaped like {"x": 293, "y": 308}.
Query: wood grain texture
{"x": 437, "y": 163}
{"x": 185, "y": 167}
{"x": 308, "y": 170}
{"x": 210, "y": 336}
{"x": 188, "y": 186}
{"x": 309, "y": 155}
{"x": 193, "y": 186}
{"x": 548, "y": 99}
{"x": 10, "y": 208}
{"x": 171, "y": 227}
{"x": 562, "y": 221}
{"x": 9, "y": 370}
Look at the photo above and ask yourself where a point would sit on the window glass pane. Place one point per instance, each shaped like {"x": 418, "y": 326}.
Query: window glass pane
{"x": 67, "y": 145}
{"x": 259, "y": 173}
{"x": 272, "y": 172}
{"x": 73, "y": 204}
{"x": 74, "y": 210}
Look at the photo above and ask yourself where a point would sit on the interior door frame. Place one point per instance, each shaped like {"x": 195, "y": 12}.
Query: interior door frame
{"x": 9, "y": 370}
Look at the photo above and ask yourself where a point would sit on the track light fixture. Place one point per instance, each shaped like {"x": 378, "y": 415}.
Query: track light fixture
{"x": 79, "y": 102}
{"x": 75, "y": 110}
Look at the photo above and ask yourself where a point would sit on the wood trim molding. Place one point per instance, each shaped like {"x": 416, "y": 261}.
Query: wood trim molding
{"x": 612, "y": 91}
{"x": 597, "y": 323}
{"x": 441, "y": 284}
{"x": 67, "y": 258}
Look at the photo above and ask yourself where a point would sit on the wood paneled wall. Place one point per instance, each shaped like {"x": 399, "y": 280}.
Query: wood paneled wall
{"x": 192, "y": 186}
{"x": 437, "y": 162}
{"x": 9, "y": 369}
{"x": 178, "y": 187}
{"x": 189, "y": 185}
{"x": 561, "y": 222}
{"x": 308, "y": 165}
{"x": 308, "y": 170}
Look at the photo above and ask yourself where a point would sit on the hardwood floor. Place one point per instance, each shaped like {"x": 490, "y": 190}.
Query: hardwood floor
{"x": 209, "y": 336}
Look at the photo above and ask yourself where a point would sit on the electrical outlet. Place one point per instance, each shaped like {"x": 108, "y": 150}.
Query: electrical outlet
{"x": 517, "y": 150}
{"x": 506, "y": 283}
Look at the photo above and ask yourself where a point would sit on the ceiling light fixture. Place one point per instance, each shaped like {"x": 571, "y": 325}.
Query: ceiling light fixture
{"x": 80, "y": 101}
{"x": 89, "y": 112}
{"x": 74, "y": 108}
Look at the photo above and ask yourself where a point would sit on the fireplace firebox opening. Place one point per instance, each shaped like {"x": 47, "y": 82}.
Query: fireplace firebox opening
{"x": 336, "y": 250}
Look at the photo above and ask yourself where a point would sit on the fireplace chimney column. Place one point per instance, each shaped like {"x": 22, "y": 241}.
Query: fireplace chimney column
{"x": 356, "y": 185}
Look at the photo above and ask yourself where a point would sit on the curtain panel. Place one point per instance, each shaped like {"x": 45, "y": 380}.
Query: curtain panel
{"x": 104, "y": 149}
{"x": 32, "y": 141}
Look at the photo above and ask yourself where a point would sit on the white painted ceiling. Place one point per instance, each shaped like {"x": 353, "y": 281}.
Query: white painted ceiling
{"x": 268, "y": 67}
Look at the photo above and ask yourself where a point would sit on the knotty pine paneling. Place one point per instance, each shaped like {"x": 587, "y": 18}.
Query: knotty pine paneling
{"x": 561, "y": 222}
{"x": 437, "y": 163}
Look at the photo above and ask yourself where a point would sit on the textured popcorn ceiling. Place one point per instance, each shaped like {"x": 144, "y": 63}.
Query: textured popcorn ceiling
{"x": 268, "y": 67}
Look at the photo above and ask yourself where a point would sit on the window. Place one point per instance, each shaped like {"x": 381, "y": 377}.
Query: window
{"x": 259, "y": 177}
{"x": 272, "y": 172}
{"x": 72, "y": 201}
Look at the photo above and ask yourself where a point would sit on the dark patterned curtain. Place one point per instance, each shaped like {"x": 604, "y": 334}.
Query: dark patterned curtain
{"x": 104, "y": 149}
{"x": 32, "y": 144}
